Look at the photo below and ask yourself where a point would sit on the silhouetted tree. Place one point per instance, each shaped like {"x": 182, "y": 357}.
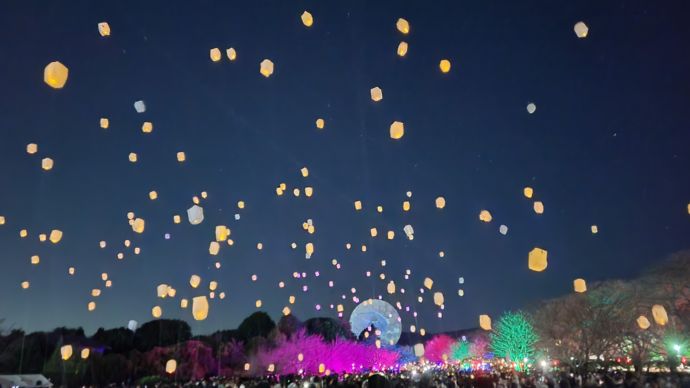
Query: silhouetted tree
{"x": 161, "y": 332}
{"x": 259, "y": 324}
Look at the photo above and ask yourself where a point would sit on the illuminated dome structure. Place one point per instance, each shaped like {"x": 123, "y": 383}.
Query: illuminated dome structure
{"x": 379, "y": 314}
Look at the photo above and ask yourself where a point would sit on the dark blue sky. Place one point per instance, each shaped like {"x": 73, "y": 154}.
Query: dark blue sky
{"x": 608, "y": 145}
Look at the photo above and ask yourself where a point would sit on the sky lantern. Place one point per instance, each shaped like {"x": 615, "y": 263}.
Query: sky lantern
{"x": 55, "y": 75}
{"x": 538, "y": 207}
{"x": 213, "y": 248}
{"x": 594, "y": 229}
{"x": 304, "y": 171}
{"x": 71, "y": 270}
{"x": 231, "y": 53}
{"x": 266, "y": 68}
{"x": 140, "y": 106}
{"x": 156, "y": 311}
{"x": 170, "y": 366}
{"x": 402, "y": 49}
{"x": 195, "y": 214}
{"x": 258, "y": 303}
{"x": 659, "y": 314}
{"x": 147, "y": 127}
{"x": 55, "y": 236}
{"x": 66, "y": 352}
{"x": 406, "y": 206}
{"x": 531, "y": 108}
{"x": 485, "y": 322}
{"x": 580, "y": 285}
{"x": 444, "y": 65}
{"x": 307, "y": 19}
{"x": 528, "y": 192}
{"x": 438, "y": 298}
{"x": 409, "y": 232}
{"x": 358, "y": 205}
{"x": 537, "y": 260}
{"x": 309, "y": 191}
{"x": 390, "y": 288}
{"x": 47, "y": 164}
{"x": 643, "y": 322}
{"x": 177, "y": 219}
{"x": 132, "y": 325}
{"x": 240, "y": 204}
{"x": 184, "y": 303}
{"x": 222, "y": 233}
{"x": 104, "y": 29}
{"x": 428, "y": 283}
{"x": 23, "y": 233}
{"x": 397, "y": 130}
{"x": 42, "y": 237}
{"x": 376, "y": 94}
{"x": 320, "y": 123}
{"x": 95, "y": 292}
{"x": 31, "y": 148}
{"x": 503, "y": 229}
{"x": 440, "y": 202}
{"x": 391, "y": 234}
{"x": 403, "y": 26}
{"x": 581, "y": 30}
{"x": 104, "y": 276}
{"x": 85, "y": 353}
{"x": 485, "y": 216}
{"x": 104, "y": 123}
{"x": 132, "y": 157}
{"x": 213, "y": 285}
{"x": 25, "y": 285}
{"x": 286, "y": 311}
{"x": 91, "y": 306}
{"x": 200, "y": 308}
{"x": 139, "y": 225}
{"x": 214, "y": 53}
{"x": 153, "y": 195}
{"x": 419, "y": 350}
{"x": 162, "y": 290}
{"x": 373, "y": 232}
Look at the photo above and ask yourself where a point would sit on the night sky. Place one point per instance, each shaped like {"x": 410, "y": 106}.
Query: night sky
{"x": 607, "y": 146}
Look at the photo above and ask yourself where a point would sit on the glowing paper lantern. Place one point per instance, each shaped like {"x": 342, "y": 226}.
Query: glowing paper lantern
{"x": 373, "y": 232}
{"x": 307, "y": 19}
{"x": 309, "y": 191}
{"x": 485, "y": 216}
{"x": 247, "y": 366}
{"x": 139, "y": 225}
{"x": 104, "y": 29}
{"x": 397, "y": 130}
{"x": 406, "y": 206}
{"x": 170, "y": 366}
{"x": 428, "y": 283}
{"x": 595, "y": 229}
{"x": 528, "y": 192}
{"x": 195, "y": 215}
{"x": 444, "y": 65}
{"x": 132, "y": 325}
{"x": 184, "y": 303}
{"x": 438, "y": 298}
{"x": 266, "y": 68}
{"x": 440, "y": 203}
{"x": 231, "y": 53}
{"x": 485, "y": 322}
{"x": 42, "y": 237}
{"x": 31, "y": 148}
{"x": 580, "y": 285}
{"x": 55, "y": 236}
{"x": 391, "y": 235}
{"x": 85, "y": 353}
{"x": 376, "y": 94}
{"x": 147, "y": 127}
{"x": 140, "y": 106}
{"x": 200, "y": 308}
{"x": 55, "y": 75}
{"x": 537, "y": 260}
{"x": 66, "y": 352}
{"x": 71, "y": 270}
{"x": 419, "y": 350}
{"x": 300, "y": 357}
{"x": 91, "y": 306}
{"x": 320, "y": 123}
{"x": 531, "y": 108}
{"x": 153, "y": 195}
{"x": 391, "y": 287}
{"x": 538, "y": 207}
{"x": 156, "y": 311}
{"x": 213, "y": 285}
{"x": 402, "y": 49}
{"x": 503, "y": 230}
{"x": 643, "y": 322}
{"x": 409, "y": 232}
{"x": 304, "y": 171}
{"x": 213, "y": 248}
{"x": 95, "y": 292}
{"x": 25, "y": 285}
{"x": 162, "y": 290}
{"x": 240, "y": 204}
{"x": 286, "y": 311}
{"x": 403, "y": 26}
{"x": 23, "y": 233}
{"x": 177, "y": 219}
{"x": 581, "y": 30}
{"x": 214, "y": 53}
{"x": 132, "y": 157}
{"x": 659, "y": 314}
{"x": 222, "y": 233}
{"x": 47, "y": 164}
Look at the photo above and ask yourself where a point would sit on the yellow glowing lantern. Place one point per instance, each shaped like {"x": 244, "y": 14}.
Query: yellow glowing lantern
{"x": 66, "y": 352}
{"x": 240, "y": 204}
{"x": 85, "y": 353}
{"x": 25, "y": 285}
{"x": 643, "y": 322}
{"x": 376, "y": 94}
{"x": 156, "y": 311}
{"x": 406, "y": 206}
{"x": 659, "y": 314}
{"x": 71, "y": 270}
{"x": 147, "y": 127}
{"x": 213, "y": 248}
{"x": 291, "y": 299}
{"x": 139, "y": 225}
{"x": 308, "y": 191}
{"x": 391, "y": 287}
{"x": 397, "y": 130}
{"x": 581, "y": 30}
{"x": 104, "y": 276}
{"x": 42, "y": 237}
{"x": 403, "y": 26}
{"x": 247, "y": 366}
{"x": 95, "y": 292}
{"x": 444, "y": 65}
{"x": 47, "y": 164}
{"x": 320, "y": 123}
{"x": 132, "y": 157}
{"x": 538, "y": 207}
{"x": 104, "y": 123}
{"x": 184, "y": 303}
{"x": 358, "y": 205}
{"x": 528, "y": 192}
{"x": 485, "y": 322}
{"x": 580, "y": 285}
{"x": 170, "y": 366}
{"x": 286, "y": 310}
{"x": 307, "y": 19}
{"x": 259, "y": 246}
{"x": 379, "y": 209}
{"x": 309, "y": 248}
{"x": 304, "y": 171}
{"x": 104, "y": 29}
{"x": 266, "y": 68}
{"x": 428, "y": 283}
{"x": 258, "y": 303}
{"x": 374, "y": 232}
{"x": 438, "y": 298}
{"x": 322, "y": 368}
{"x": 91, "y": 306}
{"x": 485, "y": 216}
{"x": 222, "y": 233}
{"x": 200, "y": 308}
{"x": 177, "y": 219}
{"x": 23, "y": 233}
{"x": 153, "y": 195}
{"x": 231, "y": 53}
{"x": 108, "y": 283}
{"x": 440, "y": 203}
{"x": 537, "y": 259}
{"x": 35, "y": 259}
{"x": 31, "y": 148}
{"x": 300, "y": 357}
{"x": 214, "y": 53}
{"x": 55, "y": 75}
{"x": 419, "y": 350}
{"x": 391, "y": 235}
{"x": 213, "y": 285}
{"x": 402, "y": 49}
{"x": 595, "y": 229}
{"x": 162, "y": 290}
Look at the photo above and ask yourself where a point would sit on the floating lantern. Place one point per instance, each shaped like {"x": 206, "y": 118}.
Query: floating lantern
{"x": 55, "y": 75}
{"x": 537, "y": 259}
{"x": 214, "y": 53}
{"x": 485, "y": 216}
{"x": 170, "y": 366}
{"x": 485, "y": 322}
{"x": 266, "y": 68}
{"x": 403, "y": 26}
{"x": 402, "y": 49}
{"x": 199, "y": 308}
{"x": 444, "y": 65}
{"x": 397, "y": 130}
{"x": 581, "y": 30}
{"x": 580, "y": 285}
{"x": 659, "y": 314}
{"x": 307, "y": 19}
{"x": 376, "y": 94}
{"x": 104, "y": 29}
{"x": 231, "y": 53}
{"x": 66, "y": 352}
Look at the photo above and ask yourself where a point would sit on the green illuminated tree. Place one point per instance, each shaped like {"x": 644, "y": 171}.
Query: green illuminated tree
{"x": 514, "y": 338}
{"x": 460, "y": 351}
